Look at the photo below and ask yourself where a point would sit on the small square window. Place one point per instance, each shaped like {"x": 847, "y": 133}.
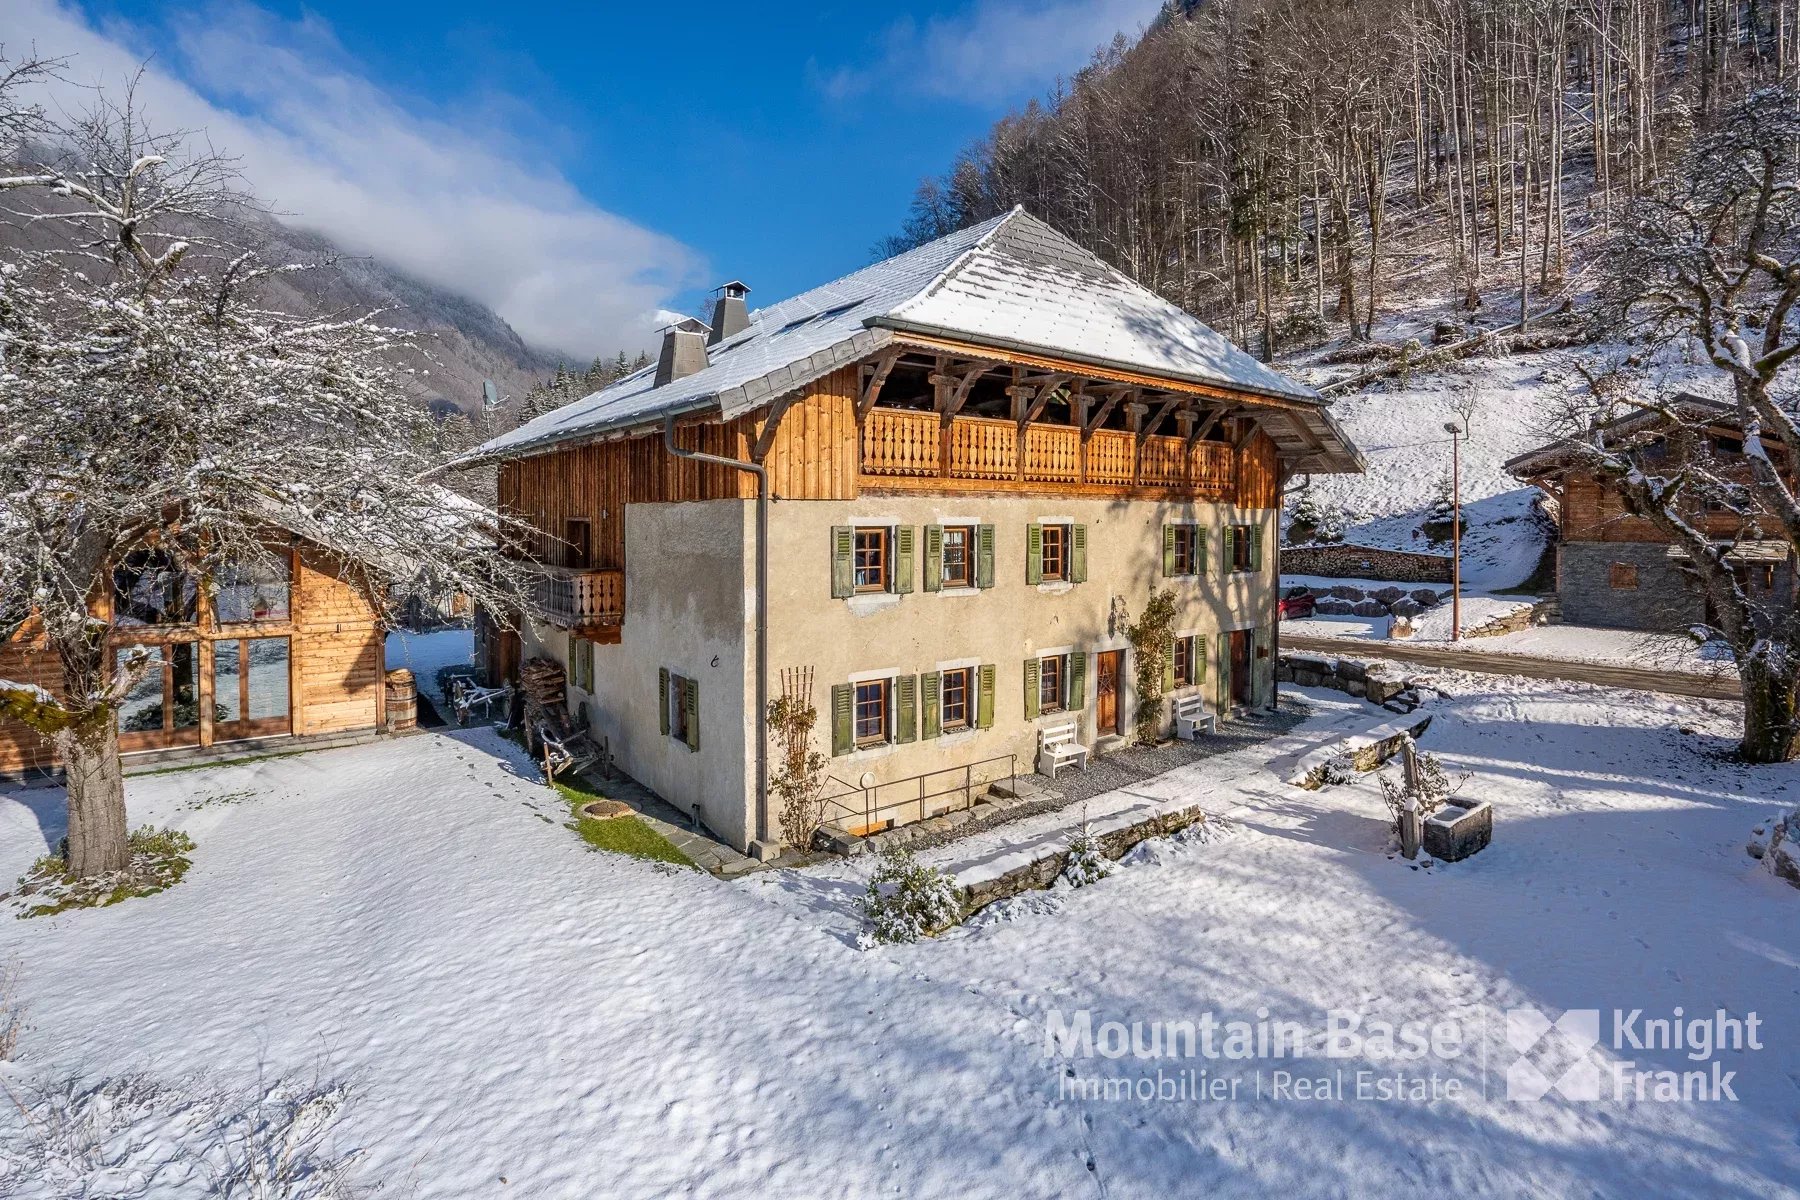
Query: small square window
{"x": 581, "y": 665}
{"x": 959, "y": 543}
{"x": 956, "y": 698}
{"x": 872, "y": 712}
{"x": 1623, "y": 576}
{"x": 1055, "y": 558}
{"x": 872, "y": 559}
{"x": 678, "y": 709}
{"x": 1051, "y": 671}
{"x": 1243, "y": 547}
{"x": 1187, "y": 549}
{"x": 1185, "y": 653}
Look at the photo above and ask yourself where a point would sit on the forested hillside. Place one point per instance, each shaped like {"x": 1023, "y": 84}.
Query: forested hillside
{"x": 1272, "y": 164}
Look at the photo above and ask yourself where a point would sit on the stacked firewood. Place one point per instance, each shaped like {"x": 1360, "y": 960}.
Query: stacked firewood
{"x": 541, "y": 679}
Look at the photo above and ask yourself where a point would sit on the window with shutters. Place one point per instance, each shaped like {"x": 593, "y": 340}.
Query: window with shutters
{"x": 1184, "y": 550}
{"x": 872, "y": 558}
{"x": 581, "y": 665}
{"x": 956, "y": 691}
{"x": 1246, "y": 547}
{"x": 1052, "y": 693}
{"x": 873, "y": 707}
{"x": 959, "y": 556}
{"x": 1055, "y": 554}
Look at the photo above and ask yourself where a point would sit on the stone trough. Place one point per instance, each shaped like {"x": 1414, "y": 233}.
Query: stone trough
{"x": 1457, "y": 830}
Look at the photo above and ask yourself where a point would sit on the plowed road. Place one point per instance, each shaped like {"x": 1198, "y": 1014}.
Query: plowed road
{"x": 1643, "y": 679}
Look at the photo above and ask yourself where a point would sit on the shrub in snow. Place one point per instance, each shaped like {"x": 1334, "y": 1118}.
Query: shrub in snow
{"x": 1422, "y": 789}
{"x": 1339, "y": 768}
{"x": 1087, "y": 863}
{"x": 1777, "y": 843}
{"x": 159, "y": 858}
{"x": 908, "y": 900}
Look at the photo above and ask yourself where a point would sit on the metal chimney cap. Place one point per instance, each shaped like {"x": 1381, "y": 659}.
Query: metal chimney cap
{"x": 687, "y": 325}
{"x": 736, "y": 287}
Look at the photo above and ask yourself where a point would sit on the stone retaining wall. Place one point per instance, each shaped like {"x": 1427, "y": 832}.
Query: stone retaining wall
{"x": 1041, "y": 872}
{"x": 1344, "y": 561}
{"x": 1382, "y": 683}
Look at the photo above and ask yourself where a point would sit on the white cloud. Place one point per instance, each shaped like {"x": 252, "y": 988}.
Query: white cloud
{"x": 994, "y": 51}
{"x": 439, "y": 196}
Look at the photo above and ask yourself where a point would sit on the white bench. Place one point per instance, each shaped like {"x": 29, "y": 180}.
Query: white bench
{"x": 1191, "y": 717}
{"x": 1058, "y": 747}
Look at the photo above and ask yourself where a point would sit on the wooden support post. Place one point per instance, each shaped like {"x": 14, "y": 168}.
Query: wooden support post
{"x": 883, "y": 367}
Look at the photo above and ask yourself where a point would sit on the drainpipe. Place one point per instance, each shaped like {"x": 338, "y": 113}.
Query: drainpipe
{"x": 763, "y": 842}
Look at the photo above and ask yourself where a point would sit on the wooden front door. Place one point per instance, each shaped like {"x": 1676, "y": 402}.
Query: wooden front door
{"x": 1242, "y": 680}
{"x": 1109, "y": 667}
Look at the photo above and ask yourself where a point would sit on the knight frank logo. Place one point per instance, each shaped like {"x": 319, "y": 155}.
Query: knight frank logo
{"x": 1553, "y": 1056}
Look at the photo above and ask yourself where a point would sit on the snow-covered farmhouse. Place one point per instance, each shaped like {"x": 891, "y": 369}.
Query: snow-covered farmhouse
{"x": 980, "y": 459}
{"x": 1617, "y": 569}
{"x": 289, "y": 648}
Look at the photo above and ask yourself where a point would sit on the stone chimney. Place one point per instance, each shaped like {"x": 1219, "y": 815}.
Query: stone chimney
{"x": 730, "y": 316}
{"x": 683, "y": 351}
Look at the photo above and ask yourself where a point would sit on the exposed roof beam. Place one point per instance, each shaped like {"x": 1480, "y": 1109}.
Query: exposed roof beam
{"x": 1162, "y": 414}
{"x": 953, "y": 390}
{"x": 872, "y": 389}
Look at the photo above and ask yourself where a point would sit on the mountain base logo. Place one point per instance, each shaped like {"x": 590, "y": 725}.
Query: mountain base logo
{"x": 1568, "y": 1059}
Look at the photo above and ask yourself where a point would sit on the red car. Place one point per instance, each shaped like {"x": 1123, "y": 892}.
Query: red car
{"x": 1298, "y": 603}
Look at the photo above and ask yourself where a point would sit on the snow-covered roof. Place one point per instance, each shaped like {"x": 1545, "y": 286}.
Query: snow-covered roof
{"x": 1690, "y": 407}
{"x": 1011, "y": 283}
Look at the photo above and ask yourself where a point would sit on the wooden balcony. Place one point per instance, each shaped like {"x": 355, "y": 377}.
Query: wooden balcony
{"x": 905, "y": 448}
{"x": 583, "y": 601}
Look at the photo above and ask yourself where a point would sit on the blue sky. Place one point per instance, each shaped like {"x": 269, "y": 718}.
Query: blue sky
{"x": 580, "y": 166}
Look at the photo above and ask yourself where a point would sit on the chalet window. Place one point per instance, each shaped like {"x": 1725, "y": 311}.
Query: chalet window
{"x": 1622, "y": 576}
{"x": 1055, "y": 553}
{"x": 957, "y": 693}
{"x": 578, "y": 549}
{"x": 959, "y": 557}
{"x": 253, "y": 591}
{"x": 1054, "y": 561}
{"x": 167, "y": 698}
{"x": 871, "y": 558}
{"x": 150, "y": 588}
{"x": 581, "y": 664}
{"x": 250, "y": 684}
{"x": 1728, "y": 445}
{"x": 1183, "y": 551}
{"x": 1187, "y": 663}
{"x": 1243, "y": 548}
{"x": 873, "y": 704}
{"x": 1054, "y": 683}
{"x": 679, "y": 700}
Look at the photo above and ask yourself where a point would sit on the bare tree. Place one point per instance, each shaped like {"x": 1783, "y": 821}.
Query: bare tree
{"x": 1713, "y": 254}
{"x": 152, "y": 402}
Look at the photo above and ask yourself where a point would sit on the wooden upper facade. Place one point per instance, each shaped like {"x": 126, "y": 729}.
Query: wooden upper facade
{"x": 902, "y": 422}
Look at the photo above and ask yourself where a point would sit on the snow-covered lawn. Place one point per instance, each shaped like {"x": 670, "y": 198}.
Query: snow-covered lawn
{"x": 1569, "y": 643}
{"x": 518, "y": 1015}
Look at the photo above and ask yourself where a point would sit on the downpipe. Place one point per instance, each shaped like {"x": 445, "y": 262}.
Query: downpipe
{"x": 762, "y": 612}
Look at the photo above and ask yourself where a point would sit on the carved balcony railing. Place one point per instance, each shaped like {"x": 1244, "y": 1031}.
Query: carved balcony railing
{"x": 908, "y": 447}
{"x": 575, "y": 599}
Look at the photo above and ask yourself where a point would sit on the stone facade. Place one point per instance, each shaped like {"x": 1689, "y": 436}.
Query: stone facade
{"x": 1345, "y": 561}
{"x": 1665, "y": 599}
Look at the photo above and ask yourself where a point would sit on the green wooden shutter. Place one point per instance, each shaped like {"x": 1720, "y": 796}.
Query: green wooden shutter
{"x": 690, "y": 700}
{"x": 905, "y": 565}
{"x": 1077, "y": 680}
{"x": 1078, "y": 553}
{"x": 843, "y": 706}
{"x": 1197, "y": 658}
{"x": 1168, "y": 550}
{"x": 1225, "y": 562}
{"x": 930, "y": 688}
{"x": 984, "y": 556}
{"x": 1032, "y": 694}
{"x": 843, "y": 561}
{"x": 1202, "y": 544}
{"x": 984, "y": 704}
{"x": 1034, "y": 554}
{"x": 662, "y": 699}
{"x": 1256, "y": 546}
{"x": 934, "y": 558}
{"x": 1169, "y": 668}
{"x": 906, "y": 724}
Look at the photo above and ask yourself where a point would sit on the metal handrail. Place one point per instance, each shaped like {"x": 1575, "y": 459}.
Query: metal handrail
{"x": 871, "y": 808}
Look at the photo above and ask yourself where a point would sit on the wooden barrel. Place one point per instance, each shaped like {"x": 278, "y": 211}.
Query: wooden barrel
{"x": 402, "y": 700}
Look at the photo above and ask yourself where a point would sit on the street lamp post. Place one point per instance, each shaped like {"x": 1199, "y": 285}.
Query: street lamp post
{"x": 1455, "y": 432}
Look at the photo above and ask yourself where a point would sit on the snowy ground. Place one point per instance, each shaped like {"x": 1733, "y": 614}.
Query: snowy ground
{"x": 1570, "y": 643}
{"x": 519, "y": 1015}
